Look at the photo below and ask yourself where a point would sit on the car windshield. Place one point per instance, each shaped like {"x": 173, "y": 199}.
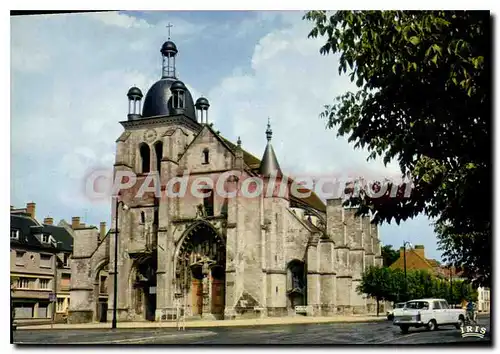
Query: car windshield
{"x": 401, "y": 305}
{"x": 417, "y": 305}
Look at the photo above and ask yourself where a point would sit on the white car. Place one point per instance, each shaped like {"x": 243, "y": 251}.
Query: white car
{"x": 429, "y": 313}
{"x": 390, "y": 314}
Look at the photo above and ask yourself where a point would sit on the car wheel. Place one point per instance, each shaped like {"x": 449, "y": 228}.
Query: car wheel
{"x": 390, "y": 317}
{"x": 460, "y": 323}
{"x": 431, "y": 326}
{"x": 404, "y": 329}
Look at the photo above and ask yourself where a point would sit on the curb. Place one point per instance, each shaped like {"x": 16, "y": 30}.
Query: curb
{"x": 227, "y": 323}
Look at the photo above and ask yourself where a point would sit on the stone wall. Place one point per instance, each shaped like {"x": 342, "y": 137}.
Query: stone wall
{"x": 82, "y": 302}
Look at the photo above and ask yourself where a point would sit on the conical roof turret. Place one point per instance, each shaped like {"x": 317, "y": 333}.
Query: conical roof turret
{"x": 269, "y": 162}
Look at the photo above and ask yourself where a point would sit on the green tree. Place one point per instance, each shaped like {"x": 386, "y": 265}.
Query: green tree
{"x": 397, "y": 285}
{"x": 464, "y": 290}
{"x": 376, "y": 283}
{"x": 420, "y": 284}
{"x": 389, "y": 255}
{"x": 423, "y": 81}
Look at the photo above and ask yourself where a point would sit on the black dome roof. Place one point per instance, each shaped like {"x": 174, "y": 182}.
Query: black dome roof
{"x": 134, "y": 91}
{"x": 168, "y": 47}
{"x": 202, "y": 102}
{"x": 158, "y": 101}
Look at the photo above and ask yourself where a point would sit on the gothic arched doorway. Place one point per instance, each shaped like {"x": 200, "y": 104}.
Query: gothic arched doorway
{"x": 296, "y": 283}
{"x": 101, "y": 279}
{"x": 200, "y": 271}
{"x": 144, "y": 287}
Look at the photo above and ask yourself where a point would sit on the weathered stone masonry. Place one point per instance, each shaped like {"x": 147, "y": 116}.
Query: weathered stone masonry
{"x": 216, "y": 257}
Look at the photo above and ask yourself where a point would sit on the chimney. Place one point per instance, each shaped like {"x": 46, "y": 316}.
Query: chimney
{"x": 48, "y": 220}
{"x": 102, "y": 229}
{"x": 30, "y": 209}
{"x": 75, "y": 222}
{"x": 419, "y": 249}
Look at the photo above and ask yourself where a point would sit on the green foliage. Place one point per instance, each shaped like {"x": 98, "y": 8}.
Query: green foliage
{"x": 423, "y": 81}
{"x": 389, "y": 255}
{"x": 383, "y": 283}
{"x": 420, "y": 284}
{"x": 376, "y": 283}
{"x": 397, "y": 289}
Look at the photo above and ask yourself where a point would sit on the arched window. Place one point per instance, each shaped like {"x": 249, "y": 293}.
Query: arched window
{"x": 296, "y": 275}
{"x": 208, "y": 202}
{"x": 156, "y": 217}
{"x": 159, "y": 155}
{"x": 145, "y": 158}
{"x": 296, "y": 287}
{"x": 225, "y": 207}
{"x": 205, "y": 157}
{"x": 178, "y": 99}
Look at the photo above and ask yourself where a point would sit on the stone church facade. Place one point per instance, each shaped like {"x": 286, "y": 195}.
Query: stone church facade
{"x": 208, "y": 255}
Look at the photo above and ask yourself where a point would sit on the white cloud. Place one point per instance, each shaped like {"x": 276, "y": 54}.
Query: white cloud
{"x": 70, "y": 75}
{"x": 119, "y": 19}
{"x": 290, "y": 83}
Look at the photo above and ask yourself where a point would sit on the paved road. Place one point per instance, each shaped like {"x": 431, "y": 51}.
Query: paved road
{"x": 306, "y": 334}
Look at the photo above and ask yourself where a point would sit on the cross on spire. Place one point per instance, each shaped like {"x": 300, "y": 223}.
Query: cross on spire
{"x": 169, "y": 26}
{"x": 269, "y": 132}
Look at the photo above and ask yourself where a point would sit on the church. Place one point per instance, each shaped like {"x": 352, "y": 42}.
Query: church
{"x": 211, "y": 256}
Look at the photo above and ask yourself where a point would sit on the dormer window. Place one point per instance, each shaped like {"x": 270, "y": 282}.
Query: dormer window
{"x": 178, "y": 99}
{"x": 205, "y": 157}
{"x": 14, "y": 234}
{"x": 66, "y": 260}
{"x": 45, "y": 238}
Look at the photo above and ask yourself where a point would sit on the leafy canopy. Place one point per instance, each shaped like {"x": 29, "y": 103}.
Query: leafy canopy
{"x": 423, "y": 100}
{"x": 383, "y": 283}
{"x": 389, "y": 255}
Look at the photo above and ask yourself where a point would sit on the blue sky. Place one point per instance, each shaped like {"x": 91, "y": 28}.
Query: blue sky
{"x": 70, "y": 75}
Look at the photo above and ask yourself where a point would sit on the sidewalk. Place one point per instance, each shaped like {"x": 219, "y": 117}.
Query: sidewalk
{"x": 205, "y": 323}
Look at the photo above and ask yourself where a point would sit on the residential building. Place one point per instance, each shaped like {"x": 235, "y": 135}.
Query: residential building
{"x": 39, "y": 266}
{"x": 483, "y": 299}
{"x": 416, "y": 260}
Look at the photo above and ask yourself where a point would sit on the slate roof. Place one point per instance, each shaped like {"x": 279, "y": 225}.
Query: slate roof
{"x": 29, "y": 227}
{"x": 62, "y": 235}
{"x": 254, "y": 163}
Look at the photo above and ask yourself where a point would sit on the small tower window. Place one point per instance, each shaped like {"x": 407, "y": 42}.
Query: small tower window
{"x": 205, "y": 156}
{"x": 155, "y": 218}
{"x": 178, "y": 99}
{"x": 145, "y": 158}
{"x": 143, "y": 218}
{"x": 208, "y": 202}
{"x": 159, "y": 155}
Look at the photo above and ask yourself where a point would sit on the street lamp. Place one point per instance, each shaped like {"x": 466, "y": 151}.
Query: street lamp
{"x": 406, "y": 243}
{"x": 115, "y": 285}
